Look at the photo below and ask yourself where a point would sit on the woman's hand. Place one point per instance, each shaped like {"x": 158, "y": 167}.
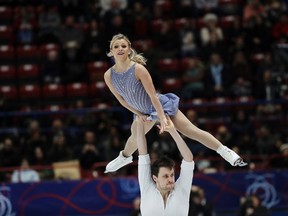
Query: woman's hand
{"x": 168, "y": 124}
{"x": 143, "y": 118}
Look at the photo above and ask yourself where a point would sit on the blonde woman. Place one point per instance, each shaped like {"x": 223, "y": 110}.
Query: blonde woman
{"x": 132, "y": 85}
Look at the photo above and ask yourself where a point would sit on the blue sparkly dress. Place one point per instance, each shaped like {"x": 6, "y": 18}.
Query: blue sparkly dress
{"x": 135, "y": 95}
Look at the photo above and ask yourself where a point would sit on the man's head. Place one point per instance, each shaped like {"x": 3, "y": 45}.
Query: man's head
{"x": 162, "y": 171}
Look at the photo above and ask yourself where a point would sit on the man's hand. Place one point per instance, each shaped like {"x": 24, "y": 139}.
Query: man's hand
{"x": 169, "y": 126}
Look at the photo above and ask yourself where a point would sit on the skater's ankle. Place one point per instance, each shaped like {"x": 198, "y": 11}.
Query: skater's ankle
{"x": 220, "y": 148}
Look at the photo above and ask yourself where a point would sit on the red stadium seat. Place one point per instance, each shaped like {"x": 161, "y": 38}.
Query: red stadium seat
{"x": 168, "y": 68}
{"x": 257, "y": 57}
{"x": 168, "y": 64}
{"x": 156, "y": 25}
{"x": 142, "y": 45}
{"x": 180, "y": 23}
{"x": 6, "y": 35}
{"x": 6, "y": 15}
{"x": 18, "y": 16}
{"x": 96, "y": 70}
{"x": 7, "y": 54}
{"x": 28, "y": 74}
{"x": 53, "y": 92}
{"x": 141, "y": 27}
{"x": 184, "y": 64}
{"x": 45, "y": 48}
{"x": 76, "y": 90}
{"x": 171, "y": 85}
{"x": 8, "y": 92}
{"x": 28, "y": 54}
{"x": 54, "y": 111}
{"x": 7, "y": 75}
{"x": 198, "y": 104}
{"x": 227, "y": 21}
{"x": 29, "y": 94}
{"x": 99, "y": 92}
{"x": 230, "y": 7}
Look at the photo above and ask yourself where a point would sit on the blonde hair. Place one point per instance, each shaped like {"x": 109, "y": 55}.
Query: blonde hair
{"x": 134, "y": 56}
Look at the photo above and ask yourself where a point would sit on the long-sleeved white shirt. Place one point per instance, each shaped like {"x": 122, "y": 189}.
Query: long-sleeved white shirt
{"x": 152, "y": 202}
{"x": 25, "y": 176}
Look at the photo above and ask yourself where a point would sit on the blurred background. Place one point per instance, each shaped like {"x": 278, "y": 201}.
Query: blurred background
{"x": 59, "y": 125}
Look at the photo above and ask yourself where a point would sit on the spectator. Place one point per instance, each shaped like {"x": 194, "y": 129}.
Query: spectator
{"x": 39, "y": 158}
{"x": 210, "y": 28}
{"x": 217, "y": 77}
{"x": 241, "y": 88}
{"x": 94, "y": 42}
{"x": 136, "y": 207}
{"x": 114, "y": 6}
{"x": 70, "y": 34}
{"x": 251, "y": 10}
{"x": 186, "y": 8}
{"x": 193, "y": 80}
{"x": 259, "y": 32}
{"x": 199, "y": 204}
{"x": 25, "y": 173}
{"x": 241, "y": 124}
{"x": 49, "y": 22}
{"x": 25, "y": 34}
{"x": 118, "y": 24}
{"x": 267, "y": 89}
{"x": 241, "y": 68}
{"x": 60, "y": 151}
{"x": 189, "y": 46}
{"x": 280, "y": 28}
{"x": 139, "y": 20}
{"x": 113, "y": 143}
{"x": 239, "y": 44}
{"x": 224, "y": 136}
{"x": 206, "y": 6}
{"x": 251, "y": 206}
{"x": 35, "y": 138}
{"x": 90, "y": 151}
{"x": 51, "y": 69}
{"x": 168, "y": 41}
{"x": 9, "y": 154}
{"x": 281, "y": 160}
{"x": 275, "y": 9}
{"x": 265, "y": 141}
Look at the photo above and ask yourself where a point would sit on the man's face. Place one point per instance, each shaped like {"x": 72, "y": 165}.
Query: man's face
{"x": 165, "y": 179}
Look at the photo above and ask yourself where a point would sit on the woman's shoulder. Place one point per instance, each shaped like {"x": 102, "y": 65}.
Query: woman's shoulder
{"x": 107, "y": 73}
{"x": 139, "y": 67}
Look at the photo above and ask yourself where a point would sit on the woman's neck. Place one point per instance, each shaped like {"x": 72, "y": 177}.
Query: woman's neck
{"x": 122, "y": 66}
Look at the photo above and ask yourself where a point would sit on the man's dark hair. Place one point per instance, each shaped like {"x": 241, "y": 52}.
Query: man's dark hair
{"x": 163, "y": 161}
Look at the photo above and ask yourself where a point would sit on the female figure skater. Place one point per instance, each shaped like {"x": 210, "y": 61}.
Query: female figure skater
{"x": 132, "y": 85}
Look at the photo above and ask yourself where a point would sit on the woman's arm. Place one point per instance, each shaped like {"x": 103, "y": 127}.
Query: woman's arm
{"x": 144, "y": 77}
{"x": 107, "y": 80}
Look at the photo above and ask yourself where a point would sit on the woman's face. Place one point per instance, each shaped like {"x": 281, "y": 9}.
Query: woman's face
{"x": 120, "y": 49}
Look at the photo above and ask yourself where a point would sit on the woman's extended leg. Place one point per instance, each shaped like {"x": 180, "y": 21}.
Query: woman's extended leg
{"x": 131, "y": 145}
{"x": 125, "y": 156}
{"x": 188, "y": 129}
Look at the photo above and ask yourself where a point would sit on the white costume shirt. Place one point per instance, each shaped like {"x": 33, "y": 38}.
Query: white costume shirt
{"x": 152, "y": 202}
{"x": 25, "y": 176}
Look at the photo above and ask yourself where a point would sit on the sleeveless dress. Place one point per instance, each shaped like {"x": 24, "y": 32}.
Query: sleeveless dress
{"x": 135, "y": 95}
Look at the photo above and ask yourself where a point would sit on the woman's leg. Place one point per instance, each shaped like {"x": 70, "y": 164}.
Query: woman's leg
{"x": 131, "y": 145}
{"x": 125, "y": 156}
{"x": 188, "y": 129}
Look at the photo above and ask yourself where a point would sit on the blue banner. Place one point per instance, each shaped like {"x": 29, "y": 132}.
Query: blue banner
{"x": 114, "y": 196}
